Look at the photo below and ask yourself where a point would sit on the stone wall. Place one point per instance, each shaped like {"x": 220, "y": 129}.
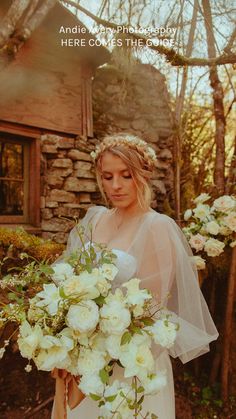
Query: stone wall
{"x": 139, "y": 105}
{"x": 67, "y": 184}
{"x": 138, "y": 102}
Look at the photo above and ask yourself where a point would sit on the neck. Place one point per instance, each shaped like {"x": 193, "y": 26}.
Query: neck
{"x": 129, "y": 212}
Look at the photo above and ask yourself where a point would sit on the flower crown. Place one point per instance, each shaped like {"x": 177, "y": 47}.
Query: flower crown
{"x": 130, "y": 141}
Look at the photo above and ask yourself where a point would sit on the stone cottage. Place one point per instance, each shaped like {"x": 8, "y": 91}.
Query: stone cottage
{"x": 55, "y": 104}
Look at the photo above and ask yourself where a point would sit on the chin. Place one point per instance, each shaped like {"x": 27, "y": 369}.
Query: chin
{"x": 120, "y": 204}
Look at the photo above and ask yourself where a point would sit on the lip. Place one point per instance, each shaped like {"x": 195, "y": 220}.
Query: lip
{"x": 117, "y": 196}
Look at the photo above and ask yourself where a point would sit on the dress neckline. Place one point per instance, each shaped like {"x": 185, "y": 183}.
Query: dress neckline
{"x": 142, "y": 217}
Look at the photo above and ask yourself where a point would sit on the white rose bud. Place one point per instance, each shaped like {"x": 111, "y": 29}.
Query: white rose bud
{"x": 188, "y": 213}
{"x": 212, "y": 227}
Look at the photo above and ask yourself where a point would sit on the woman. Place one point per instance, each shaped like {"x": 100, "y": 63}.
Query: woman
{"x": 149, "y": 246}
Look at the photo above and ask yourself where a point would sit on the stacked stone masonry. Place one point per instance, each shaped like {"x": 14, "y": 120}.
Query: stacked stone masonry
{"x": 137, "y": 104}
{"x": 68, "y": 185}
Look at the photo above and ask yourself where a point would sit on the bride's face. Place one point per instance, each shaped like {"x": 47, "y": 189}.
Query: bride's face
{"x": 117, "y": 181}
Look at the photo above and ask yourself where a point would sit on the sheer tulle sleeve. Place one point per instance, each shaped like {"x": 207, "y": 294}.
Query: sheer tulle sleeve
{"x": 167, "y": 269}
{"x": 74, "y": 242}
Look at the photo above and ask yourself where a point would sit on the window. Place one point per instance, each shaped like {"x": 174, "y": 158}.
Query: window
{"x": 19, "y": 179}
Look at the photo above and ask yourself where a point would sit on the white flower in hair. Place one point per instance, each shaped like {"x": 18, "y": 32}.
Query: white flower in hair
{"x": 131, "y": 141}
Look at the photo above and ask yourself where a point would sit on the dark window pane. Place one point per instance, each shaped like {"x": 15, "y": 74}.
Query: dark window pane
{"x": 11, "y": 160}
{"x": 11, "y": 198}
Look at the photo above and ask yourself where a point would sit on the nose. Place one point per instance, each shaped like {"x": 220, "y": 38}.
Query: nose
{"x": 116, "y": 183}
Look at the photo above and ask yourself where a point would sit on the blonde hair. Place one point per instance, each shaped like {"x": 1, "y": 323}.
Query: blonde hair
{"x": 140, "y": 170}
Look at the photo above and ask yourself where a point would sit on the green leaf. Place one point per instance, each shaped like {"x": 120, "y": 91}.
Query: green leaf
{"x": 140, "y": 401}
{"x": 148, "y": 321}
{"x": 94, "y": 397}
{"x": 126, "y": 338}
{"x": 12, "y": 296}
{"x": 103, "y": 374}
{"x": 110, "y": 398}
{"x": 153, "y": 416}
{"x": 100, "y": 300}
{"x": 46, "y": 269}
{"x": 136, "y": 329}
{"x": 62, "y": 293}
{"x": 140, "y": 389}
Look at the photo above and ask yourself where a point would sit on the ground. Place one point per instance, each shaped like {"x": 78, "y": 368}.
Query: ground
{"x": 23, "y": 393}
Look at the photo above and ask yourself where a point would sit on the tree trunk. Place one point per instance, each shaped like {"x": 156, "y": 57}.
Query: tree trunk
{"x": 228, "y": 328}
{"x": 178, "y": 112}
{"x": 231, "y": 181}
{"x": 218, "y": 96}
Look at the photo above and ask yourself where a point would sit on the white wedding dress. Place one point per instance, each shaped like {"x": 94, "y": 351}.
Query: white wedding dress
{"x": 154, "y": 249}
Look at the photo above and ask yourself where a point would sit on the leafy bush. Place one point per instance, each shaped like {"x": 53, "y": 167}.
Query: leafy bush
{"x": 15, "y": 242}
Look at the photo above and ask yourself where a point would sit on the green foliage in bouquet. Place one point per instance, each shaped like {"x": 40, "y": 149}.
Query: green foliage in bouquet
{"x": 71, "y": 316}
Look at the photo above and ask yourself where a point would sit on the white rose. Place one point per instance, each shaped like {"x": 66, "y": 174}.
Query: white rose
{"x": 103, "y": 286}
{"x": 88, "y": 281}
{"x": 214, "y": 247}
{"x": 77, "y": 285}
{"x": 83, "y": 316}
{"x": 90, "y": 361}
{"x": 34, "y": 312}
{"x": 224, "y": 203}
{"x": 29, "y": 339}
{"x": 50, "y": 298}
{"x": 232, "y": 244}
{"x": 72, "y": 286}
{"x": 201, "y": 198}
{"x": 49, "y": 341}
{"x": 155, "y": 383}
{"x": 116, "y": 296}
{"x": 188, "y": 213}
{"x": 62, "y": 271}
{"x": 163, "y": 332}
{"x": 224, "y": 231}
{"x": 201, "y": 211}
{"x": 199, "y": 262}
{"x": 137, "y": 360}
{"x": 138, "y": 311}
{"x": 91, "y": 384}
{"x": 134, "y": 295}
{"x": 230, "y": 221}
{"x": 109, "y": 271}
{"x": 115, "y": 318}
{"x": 54, "y": 357}
{"x": 112, "y": 346}
{"x": 197, "y": 242}
{"x": 97, "y": 342}
{"x": 212, "y": 227}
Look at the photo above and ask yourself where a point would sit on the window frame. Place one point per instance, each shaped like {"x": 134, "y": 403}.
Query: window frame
{"x": 31, "y": 216}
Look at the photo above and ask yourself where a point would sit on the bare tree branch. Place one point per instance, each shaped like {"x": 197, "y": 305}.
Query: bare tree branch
{"x": 21, "y": 34}
{"x": 228, "y": 47}
{"x": 173, "y": 57}
{"x": 11, "y": 19}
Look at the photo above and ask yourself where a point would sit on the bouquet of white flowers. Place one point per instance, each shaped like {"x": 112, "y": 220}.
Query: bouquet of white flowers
{"x": 79, "y": 322}
{"x": 211, "y": 227}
